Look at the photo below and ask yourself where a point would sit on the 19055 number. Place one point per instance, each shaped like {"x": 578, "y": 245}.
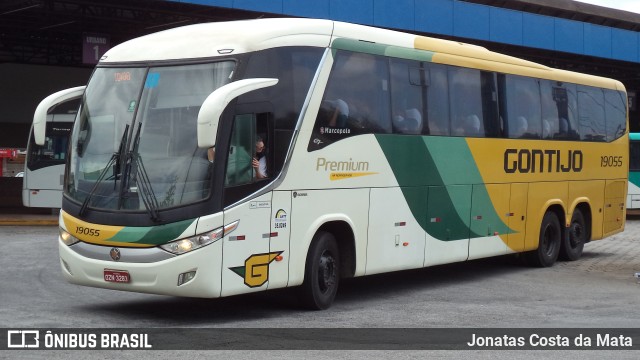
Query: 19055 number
{"x": 87, "y": 231}
{"x": 610, "y": 161}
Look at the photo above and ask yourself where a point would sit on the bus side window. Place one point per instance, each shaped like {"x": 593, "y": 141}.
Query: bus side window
{"x": 239, "y": 169}
{"x": 591, "y": 113}
{"x": 522, "y": 109}
{"x": 564, "y": 101}
{"x": 550, "y": 117}
{"x": 438, "y": 100}
{"x": 356, "y": 100}
{"x": 409, "y": 82}
{"x": 491, "y": 126}
{"x": 465, "y": 94}
{"x": 615, "y": 106}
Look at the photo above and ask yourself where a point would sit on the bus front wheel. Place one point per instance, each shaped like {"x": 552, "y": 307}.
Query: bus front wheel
{"x": 573, "y": 243}
{"x": 322, "y": 272}
{"x": 549, "y": 242}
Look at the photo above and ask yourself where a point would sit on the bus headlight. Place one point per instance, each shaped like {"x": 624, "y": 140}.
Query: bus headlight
{"x": 67, "y": 238}
{"x": 185, "y": 245}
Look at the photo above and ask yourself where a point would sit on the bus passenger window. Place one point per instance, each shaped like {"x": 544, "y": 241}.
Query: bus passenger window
{"x": 438, "y": 100}
{"x": 522, "y": 112}
{"x": 356, "y": 100}
{"x": 465, "y": 93}
{"x": 559, "y": 109}
{"x": 591, "y": 113}
{"x": 550, "y": 118}
{"x": 615, "y": 106}
{"x": 564, "y": 96}
{"x": 409, "y": 83}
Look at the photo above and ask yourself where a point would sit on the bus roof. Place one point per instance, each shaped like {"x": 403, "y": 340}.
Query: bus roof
{"x": 211, "y": 40}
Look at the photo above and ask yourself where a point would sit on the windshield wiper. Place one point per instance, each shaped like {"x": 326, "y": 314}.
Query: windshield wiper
{"x": 115, "y": 159}
{"x": 145, "y": 190}
{"x": 121, "y": 149}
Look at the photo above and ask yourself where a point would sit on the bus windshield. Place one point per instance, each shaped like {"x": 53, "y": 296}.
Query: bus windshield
{"x": 134, "y": 145}
{"x": 54, "y": 149}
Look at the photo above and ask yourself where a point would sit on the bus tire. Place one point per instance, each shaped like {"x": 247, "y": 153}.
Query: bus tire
{"x": 548, "y": 243}
{"x": 322, "y": 272}
{"x": 573, "y": 242}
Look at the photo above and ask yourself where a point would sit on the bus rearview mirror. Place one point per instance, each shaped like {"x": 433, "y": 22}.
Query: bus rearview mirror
{"x": 40, "y": 115}
{"x": 217, "y": 101}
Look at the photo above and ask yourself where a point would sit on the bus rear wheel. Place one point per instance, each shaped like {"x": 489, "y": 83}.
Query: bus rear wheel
{"x": 573, "y": 243}
{"x": 322, "y": 272}
{"x": 549, "y": 242}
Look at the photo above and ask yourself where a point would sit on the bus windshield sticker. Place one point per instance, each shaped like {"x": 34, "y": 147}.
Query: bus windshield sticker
{"x": 152, "y": 80}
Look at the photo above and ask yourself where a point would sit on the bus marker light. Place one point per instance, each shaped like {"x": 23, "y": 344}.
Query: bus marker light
{"x": 67, "y": 238}
{"x": 435, "y": 220}
{"x": 273, "y": 234}
{"x": 478, "y": 217}
{"x": 496, "y": 233}
{"x": 186, "y": 277}
{"x": 405, "y": 244}
{"x": 229, "y": 228}
{"x": 66, "y": 266}
{"x": 401, "y": 223}
{"x": 279, "y": 258}
{"x": 182, "y": 246}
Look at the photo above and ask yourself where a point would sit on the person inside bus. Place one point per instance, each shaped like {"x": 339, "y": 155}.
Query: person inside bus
{"x": 259, "y": 162}
{"x": 211, "y": 153}
{"x": 546, "y": 129}
{"x": 472, "y": 125}
{"x": 340, "y": 113}
{"x": 522, "y": 125}
{"x": 408, "y": 122}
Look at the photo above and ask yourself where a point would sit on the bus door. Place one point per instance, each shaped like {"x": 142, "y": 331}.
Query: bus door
{"x": 246, "y": 255}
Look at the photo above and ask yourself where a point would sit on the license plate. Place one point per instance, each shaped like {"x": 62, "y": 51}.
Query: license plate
{"x": 116, "y": 276}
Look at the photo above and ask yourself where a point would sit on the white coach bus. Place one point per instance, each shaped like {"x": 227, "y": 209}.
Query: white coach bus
{"x": 44, "y": 164}
{"x": 383, "y": 151}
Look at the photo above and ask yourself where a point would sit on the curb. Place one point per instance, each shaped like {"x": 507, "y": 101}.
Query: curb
{"x": 28, "y": 222}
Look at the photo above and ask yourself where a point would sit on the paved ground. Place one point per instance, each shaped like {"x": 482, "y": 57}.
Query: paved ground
{"x": 28, "y": 216}
{"x": 598, "y": 291}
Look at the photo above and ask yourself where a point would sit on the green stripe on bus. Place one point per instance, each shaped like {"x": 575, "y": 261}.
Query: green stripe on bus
{"x": 152, "y": 235}
{"x": 422, "y": 166}
{"x": 634, "y": 178}
{"x": 384, "y": 50}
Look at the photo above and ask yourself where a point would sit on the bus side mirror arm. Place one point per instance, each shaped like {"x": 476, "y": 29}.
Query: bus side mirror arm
{"x": 40, "y": 115}
{"x": 217, "y": 101}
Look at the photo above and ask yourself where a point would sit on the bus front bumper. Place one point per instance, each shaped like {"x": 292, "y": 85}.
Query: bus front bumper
{"x": 161, "y": 277}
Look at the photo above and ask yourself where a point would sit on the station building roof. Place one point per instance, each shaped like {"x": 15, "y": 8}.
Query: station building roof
{"x": 559, "y": 33}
